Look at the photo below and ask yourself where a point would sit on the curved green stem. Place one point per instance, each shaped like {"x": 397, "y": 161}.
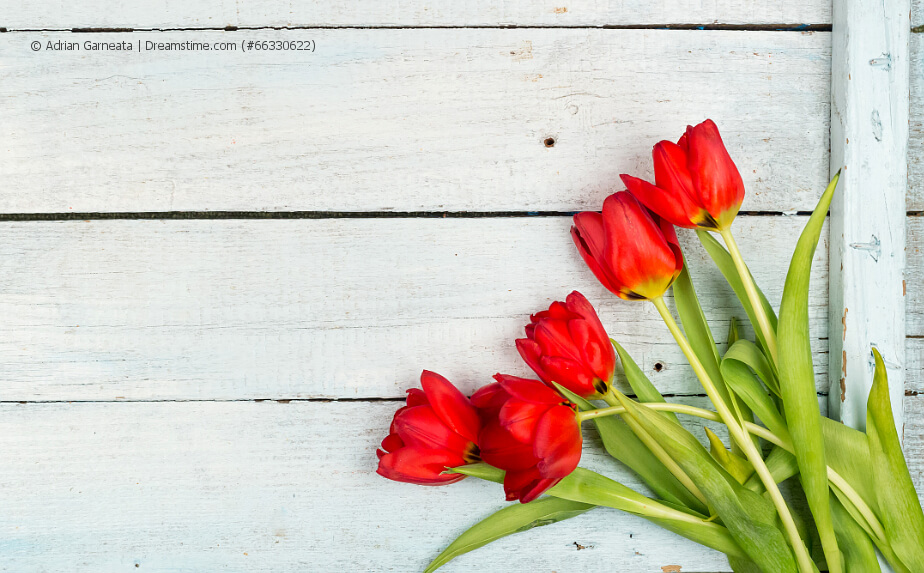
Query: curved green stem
{"x": 751, "y": 289}
{"x": 659, "y": 452}
{"x": 737, "y": 432}
{"x": 837, "y": 481}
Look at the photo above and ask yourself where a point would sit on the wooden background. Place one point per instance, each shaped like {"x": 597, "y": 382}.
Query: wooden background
{"x": 220, "y": 270}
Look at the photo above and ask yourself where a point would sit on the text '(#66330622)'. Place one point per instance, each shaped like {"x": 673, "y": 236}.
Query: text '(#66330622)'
{"x": 140, "y": 45}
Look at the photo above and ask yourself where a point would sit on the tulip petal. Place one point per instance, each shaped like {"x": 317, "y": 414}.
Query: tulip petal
{"x": 500, "y": 449}
{"x": 421, "y": 426}
{"x": 636, "y": 247}
{"x": 517, "y": 481}
{"x": 558, "y": 442}
{"x": 489, "y": 398}
{"x": 570, "y": 374}
{"x": 530, "y": 352}
{"x": 678, "y": 210}
{"x": 587, "y": 234}
{"x": 672, "y": 173}
{"x": 555, "y": 340}
{"x": 420, "y": 465}
{"x": 714, "y": 175}
{"x": 416, "y": 397}
{"x": 520, "y": 418}
{"x": 579, "y": 305}
{"x": 450, "y": 405}
{"x": 557, "y": 310}
{"x": 528, "y": 390}
{"x": 392, "y": 442}
{"x": 595, "y": 349}
{"x": 526, "y": 485}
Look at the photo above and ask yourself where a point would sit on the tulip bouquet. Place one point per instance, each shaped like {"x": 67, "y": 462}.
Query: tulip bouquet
{"x": 526, "y": 433}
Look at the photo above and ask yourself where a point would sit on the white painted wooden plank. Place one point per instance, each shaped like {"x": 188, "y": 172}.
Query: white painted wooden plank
{"x": 187, "y": 487}
{"x": 869, "y": 138}
{"x": 914, "y": 366}
{"x": 914, "y": 281}
{"x": 227, "y": 309}
{"x": 243, "y": 486}
{"x": 20, "y": 14}
{"x": 404, "y": 120}
{"x": 913, "y": 439}
{"x": 916, "y": 122}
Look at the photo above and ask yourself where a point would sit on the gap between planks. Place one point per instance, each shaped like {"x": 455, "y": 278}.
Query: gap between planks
{"x": 259, "y": 215}
{"x": 778, "y": 27}
{"x": 369, "y": 400}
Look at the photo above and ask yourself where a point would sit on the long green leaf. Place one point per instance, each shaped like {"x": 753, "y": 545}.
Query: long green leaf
{"x": 750, "y": 518}
{"x": 859, "y": 553}
{"x": 782, "y": 466}
{"x": 585, "y": 486}
{"x": 797, "y": 380}
{"x": 726, "y": 265}
{"x": 747, "y": 352}
{"x": 703, "y": 343}
{"x": 509, "y": 520}
{"x": 738, "y": 467}
{"x": 900, "y": 509}
{"x": 622, "y": 444}
{"x": 736, "y": 368}
{"x": 640, "y": 384}
{"x": 847, "y": 452}
{"x": 589, "y": 487}
{"x": 697, "y": 329}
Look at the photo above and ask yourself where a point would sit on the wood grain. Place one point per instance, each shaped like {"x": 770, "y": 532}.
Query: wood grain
{"x": 244, "y": 486}
{"x": 402, "y": 120}
{"x": 869, "y": 148}
{"x": 225, "y": 309}
{"x": 914, "y": 279}
{"x": 21, "y": 14}
{"x": 267, "y": 487}
{"x": 916, "y": 119}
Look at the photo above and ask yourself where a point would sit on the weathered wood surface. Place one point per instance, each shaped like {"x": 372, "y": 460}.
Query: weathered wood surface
{"x": 22, "y": 14}
{"x": 869, "y": 147}
{"x": 402, "y": 120}
{"x": 914, "y": 280}
{"x": 916, "y": 119}
{"x": 244, "y": 486}
{"x": 226, "y": 309}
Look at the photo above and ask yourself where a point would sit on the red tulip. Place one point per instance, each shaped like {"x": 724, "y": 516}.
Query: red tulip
{"x": 437, "y": 429}
{"x": 633, "y": 253}
{"x": 697, "y": 183}
{"x": 531, "y": 432}
{"x": 567, "y": 344}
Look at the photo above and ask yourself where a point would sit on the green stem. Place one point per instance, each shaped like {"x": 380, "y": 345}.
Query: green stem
{"x": 750, "y": 288}
{"x": 837, "y": 481}
{"x": 736, "y": 430}
{"x": 659, "y": 452}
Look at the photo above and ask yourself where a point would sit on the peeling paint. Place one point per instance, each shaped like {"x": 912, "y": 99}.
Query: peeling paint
{"x": 844, "y": 376}
{"x": 670, "y": 569}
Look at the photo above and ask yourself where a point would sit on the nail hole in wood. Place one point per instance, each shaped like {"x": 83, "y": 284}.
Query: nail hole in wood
{"x": 549, "y": 142}
{"x": 658, "y": 367}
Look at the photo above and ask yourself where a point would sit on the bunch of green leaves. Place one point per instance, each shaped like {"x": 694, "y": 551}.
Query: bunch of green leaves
{"x": 859, "y": 491}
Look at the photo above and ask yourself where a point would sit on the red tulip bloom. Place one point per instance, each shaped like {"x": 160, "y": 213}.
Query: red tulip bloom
{"x": 696, "y": 181}
{"x": 633, "y": 253}
{"x": 437, "y": 429}
{"x": 531, "y": 432}
{"x": 568, "y": 345}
